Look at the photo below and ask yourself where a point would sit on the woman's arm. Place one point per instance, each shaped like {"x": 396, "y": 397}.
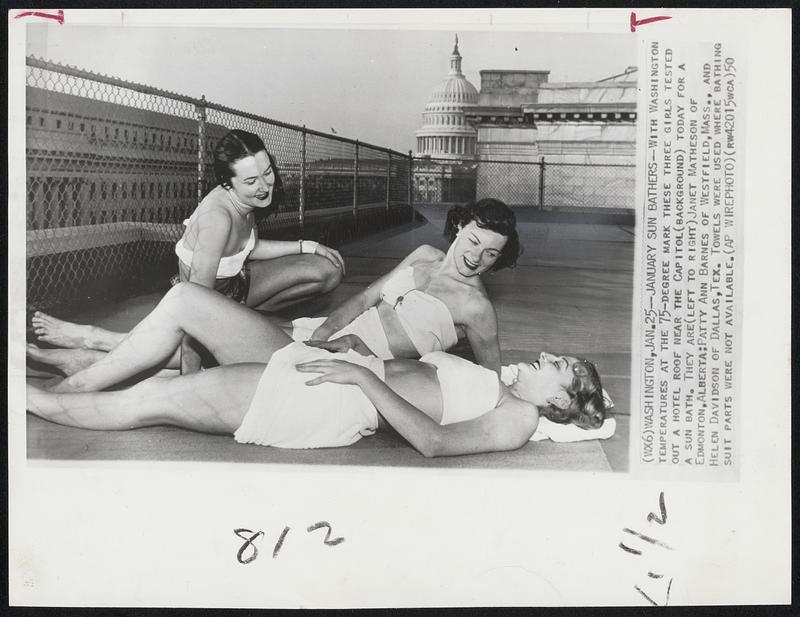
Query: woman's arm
{"x": 507, "y": 427}
{"x": 503, "y": 428}
{"x": 271, "y": 249}
{"x": 481, "y": 329}
{"x": 213, "y": 229}
{"x": 360, "y": 302}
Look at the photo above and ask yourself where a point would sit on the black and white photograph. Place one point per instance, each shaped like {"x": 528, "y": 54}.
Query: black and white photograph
{"x": 309, "y": 293}
{"x": 482, "y": 231}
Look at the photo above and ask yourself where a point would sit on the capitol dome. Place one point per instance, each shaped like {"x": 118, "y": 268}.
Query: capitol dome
{"x": 445, "y": 132}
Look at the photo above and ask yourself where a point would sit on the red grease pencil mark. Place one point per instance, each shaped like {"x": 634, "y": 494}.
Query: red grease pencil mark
{"x": 59, "y": 16}
{"x": 642, "y": 22}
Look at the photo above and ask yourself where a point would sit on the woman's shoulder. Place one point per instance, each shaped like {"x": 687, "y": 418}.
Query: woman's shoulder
{"x": 213, "y": 205}
{"x": 425, "y": 253}
{"x": 475, "y": 302}
{"x": 210, "y": 216}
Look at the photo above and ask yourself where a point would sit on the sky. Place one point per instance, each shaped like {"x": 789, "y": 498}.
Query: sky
{"x": 370, "y": 85}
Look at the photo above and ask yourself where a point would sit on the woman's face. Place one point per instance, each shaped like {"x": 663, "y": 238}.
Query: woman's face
{"x": 546, "y": 380}
{"x": 475, "y": 249}
{"x": 253, "y": 180}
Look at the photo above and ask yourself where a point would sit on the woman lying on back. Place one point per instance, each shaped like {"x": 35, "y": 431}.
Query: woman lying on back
{"x": 274, "y": 391}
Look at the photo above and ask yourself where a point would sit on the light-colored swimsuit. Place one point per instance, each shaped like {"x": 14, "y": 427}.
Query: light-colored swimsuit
{"x": 233, "y": 276}
{"x": 425, "y": 319}
{"x": 286, "y": 413}
{"x": 468, "y": 389}
{"x": 229, "y": 266}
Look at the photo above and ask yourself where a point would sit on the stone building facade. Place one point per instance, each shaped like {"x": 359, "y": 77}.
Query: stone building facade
{"x": 584, "y": 133}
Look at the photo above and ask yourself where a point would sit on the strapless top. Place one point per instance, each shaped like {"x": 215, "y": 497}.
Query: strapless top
{"x": 228, "y": 266}
{"x": 426, "y": 319}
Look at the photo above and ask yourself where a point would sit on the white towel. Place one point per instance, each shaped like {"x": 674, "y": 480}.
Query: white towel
{"x": 564, "y": 432}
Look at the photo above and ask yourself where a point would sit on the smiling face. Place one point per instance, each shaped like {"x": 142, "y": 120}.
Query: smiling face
{"x": 546, "y": 381}
{"x": 253, "y": 180}
{"x": 475, "y": 249}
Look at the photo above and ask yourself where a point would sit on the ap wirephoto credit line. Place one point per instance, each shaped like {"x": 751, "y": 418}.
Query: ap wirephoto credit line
{"x": 691, "y": 236}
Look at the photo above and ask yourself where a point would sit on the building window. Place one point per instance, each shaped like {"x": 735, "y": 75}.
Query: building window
{"x": 58, "y": 124}
{"x": 41, "y": 121}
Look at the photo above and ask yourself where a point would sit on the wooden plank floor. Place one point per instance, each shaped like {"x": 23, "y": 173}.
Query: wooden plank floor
{"x": 570, "y": 293}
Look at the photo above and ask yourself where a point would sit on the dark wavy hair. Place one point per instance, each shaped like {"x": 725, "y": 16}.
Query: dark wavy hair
{"x": 490, "y": 214}
{"x": 587, "y": 407}
{"x": 236, "y": 145}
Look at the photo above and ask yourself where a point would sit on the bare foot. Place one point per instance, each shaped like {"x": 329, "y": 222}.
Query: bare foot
{"x": 61, "y": 333}
{"x": 68, "y": 361}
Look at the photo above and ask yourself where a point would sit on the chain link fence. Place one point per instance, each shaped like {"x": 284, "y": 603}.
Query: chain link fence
{"x": 113, "y": 169}
{"x": 541, "y": 184}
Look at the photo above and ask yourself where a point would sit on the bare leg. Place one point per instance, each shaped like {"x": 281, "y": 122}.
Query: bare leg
{"x": 214, "y": 401}
{"x": 68, "y": 361}
{"x": 231, "y": 332}
{"x": 61, "y": 333}
{"x": 277, "y": 283}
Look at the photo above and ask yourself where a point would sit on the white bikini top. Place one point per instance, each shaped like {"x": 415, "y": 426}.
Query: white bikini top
{"x": 228, "y": 266}
{"x": 468, "y": 389}
{"x": 426, "y": 319}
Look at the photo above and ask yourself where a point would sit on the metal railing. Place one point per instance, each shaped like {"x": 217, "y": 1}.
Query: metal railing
{"x": 542, "y": 184}
{"x": 114, "y": 167}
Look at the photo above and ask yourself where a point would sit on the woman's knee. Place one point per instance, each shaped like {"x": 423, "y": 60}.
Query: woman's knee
{"x": 328, "y": 275}
{"x": 183, "y": 294}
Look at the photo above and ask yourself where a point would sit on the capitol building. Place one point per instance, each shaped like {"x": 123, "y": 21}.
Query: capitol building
{"x": 445, "y": 132}
{"x": 527, "y": 140}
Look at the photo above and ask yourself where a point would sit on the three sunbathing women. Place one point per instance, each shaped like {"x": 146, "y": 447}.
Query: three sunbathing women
{"x": 441, "y": 404}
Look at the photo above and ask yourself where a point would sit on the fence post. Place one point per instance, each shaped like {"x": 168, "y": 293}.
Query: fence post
{"x": 200, "y": 111}
{"x": 388, "y": 180}
{"x": 541, "y": 183}
{"x": 302, "y": 212}
{"x": 411, "y": 185}
{"x": 355, "y": 185}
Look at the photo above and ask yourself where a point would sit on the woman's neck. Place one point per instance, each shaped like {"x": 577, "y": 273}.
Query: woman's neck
{"x": 241, "y": 208}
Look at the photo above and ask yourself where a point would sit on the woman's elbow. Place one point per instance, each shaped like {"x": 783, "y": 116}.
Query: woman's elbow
{"x": 431, "y": 446}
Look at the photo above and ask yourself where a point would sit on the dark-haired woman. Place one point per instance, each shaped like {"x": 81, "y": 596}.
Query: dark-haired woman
{"x": 432, "y": 298}
{"x": 425, "y": 304}
{"x": 220, "y": 248}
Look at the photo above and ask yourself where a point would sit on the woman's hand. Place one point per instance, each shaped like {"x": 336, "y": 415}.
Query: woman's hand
{"x": 323, "y": 333}
{"x": 342, "y": 344}
{"x": 331, "y": 255}
{"x": 334, "y": 371}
